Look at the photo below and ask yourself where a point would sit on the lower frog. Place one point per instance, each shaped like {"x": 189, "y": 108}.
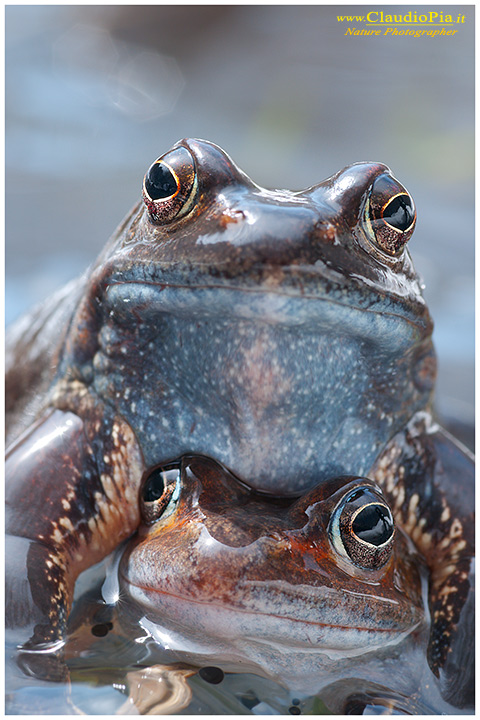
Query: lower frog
{"x": 320, "y": 591}
{"x": 282, "y": 333}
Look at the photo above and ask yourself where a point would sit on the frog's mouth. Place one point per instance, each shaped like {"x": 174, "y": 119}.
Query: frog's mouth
{"x": 394, "y": 324}
{"x": 283, "y": 620}
{"x": 276, "y": 641}
{"x": 303, "y": 667}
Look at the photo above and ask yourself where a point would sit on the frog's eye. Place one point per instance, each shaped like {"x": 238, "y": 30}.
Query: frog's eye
{"x": 362, "y": 528}
{"x": 389, "y": 217}
{"x": 170, "y": 186}
{"x": 160, "y": 492}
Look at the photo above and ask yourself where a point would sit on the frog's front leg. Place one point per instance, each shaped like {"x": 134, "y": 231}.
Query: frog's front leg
{"x": 429, "y": 479}
{"x": 71, "y": 498}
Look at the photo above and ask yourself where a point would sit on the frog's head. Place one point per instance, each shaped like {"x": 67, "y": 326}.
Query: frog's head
{"x": 219, "y": 569}
{"x": 268, "y": 329}
{"x": 204, "y": 224}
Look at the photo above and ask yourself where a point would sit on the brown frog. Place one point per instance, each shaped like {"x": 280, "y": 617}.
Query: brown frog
{"x": 282, "y": 333}
{"x": 308, "y": 592}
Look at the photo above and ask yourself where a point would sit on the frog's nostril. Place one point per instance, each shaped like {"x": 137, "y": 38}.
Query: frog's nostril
{"x": 324, "y": 233}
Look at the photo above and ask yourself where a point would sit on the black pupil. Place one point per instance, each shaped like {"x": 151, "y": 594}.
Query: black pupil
{"x": 373, "y": 524}
{"x": 399, "y": 212}
{"x": 154, "y": 487}
{"x": 160, "y": 182}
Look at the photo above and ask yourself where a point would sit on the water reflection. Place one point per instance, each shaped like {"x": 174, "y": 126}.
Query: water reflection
{"x": 115, "y": 669}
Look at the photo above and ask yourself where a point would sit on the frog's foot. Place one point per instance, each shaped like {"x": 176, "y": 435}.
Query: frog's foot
{"x": 429, "y": 479}
{"x": 68, "y": 506}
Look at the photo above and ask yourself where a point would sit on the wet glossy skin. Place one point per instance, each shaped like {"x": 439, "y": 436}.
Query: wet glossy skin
{"x": 234, "y": 295}
{"x": 281, "y": 333}
{"x": 226, "y": 569}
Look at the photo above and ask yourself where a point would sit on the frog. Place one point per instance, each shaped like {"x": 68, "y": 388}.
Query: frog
{"x": 282, "y": 333}
{"x": 307, "y": 592}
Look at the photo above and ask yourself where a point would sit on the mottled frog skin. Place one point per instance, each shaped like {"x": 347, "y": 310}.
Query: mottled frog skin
{"x": 283, "y": 334}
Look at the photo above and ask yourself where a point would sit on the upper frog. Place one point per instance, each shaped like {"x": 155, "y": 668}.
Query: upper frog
{"x": 282, "y": 333}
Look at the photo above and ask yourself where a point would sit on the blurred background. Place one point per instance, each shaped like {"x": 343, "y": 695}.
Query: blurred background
{"x": 95, "y": 93}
